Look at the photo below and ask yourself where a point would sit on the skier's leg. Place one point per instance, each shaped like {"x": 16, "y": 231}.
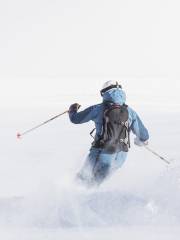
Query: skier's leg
{"x": 100, "y": 172}
{"x": 107, "y": 164}
{"x": 118, "y": 161}
{"x": 86, "y": 172}
{"x": 102, "y": 167}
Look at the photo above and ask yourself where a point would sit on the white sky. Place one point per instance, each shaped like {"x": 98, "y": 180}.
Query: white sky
{"x": 66, "y": 46}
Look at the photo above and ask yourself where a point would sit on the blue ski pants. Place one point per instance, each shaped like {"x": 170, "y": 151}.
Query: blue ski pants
{"x": 100, "y": 164}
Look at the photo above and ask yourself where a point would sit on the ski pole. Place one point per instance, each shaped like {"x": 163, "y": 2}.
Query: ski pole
{"x": 156, "y": 154}
{"x": 19, "y": 135}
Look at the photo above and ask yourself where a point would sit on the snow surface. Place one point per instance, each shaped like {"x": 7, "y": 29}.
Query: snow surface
{"x": 39, "y": 198}
{"x": 54, "y": 53}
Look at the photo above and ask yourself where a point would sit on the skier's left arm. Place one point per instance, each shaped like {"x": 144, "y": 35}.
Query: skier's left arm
{"x": 82, "y": 116}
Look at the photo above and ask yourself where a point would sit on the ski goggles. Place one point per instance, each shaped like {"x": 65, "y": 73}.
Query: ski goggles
{"x": 108, "y": 88}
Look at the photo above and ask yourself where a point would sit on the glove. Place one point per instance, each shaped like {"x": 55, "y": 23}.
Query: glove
{"x": 74, "y": 107}
{"x": 140, "y": 143}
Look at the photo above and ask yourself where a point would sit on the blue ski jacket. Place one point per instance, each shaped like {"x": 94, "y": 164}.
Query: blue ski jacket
{"x": 95, "y": 113}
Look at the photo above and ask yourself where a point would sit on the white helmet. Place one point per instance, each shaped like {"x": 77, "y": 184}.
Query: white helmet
{"x": 109, "y": 85}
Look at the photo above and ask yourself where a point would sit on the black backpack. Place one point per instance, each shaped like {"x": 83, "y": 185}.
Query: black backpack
{"x": 115, "y": 129}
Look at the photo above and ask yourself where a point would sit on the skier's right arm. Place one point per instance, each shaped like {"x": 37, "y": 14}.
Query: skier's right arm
{"x": 83, "y": 116}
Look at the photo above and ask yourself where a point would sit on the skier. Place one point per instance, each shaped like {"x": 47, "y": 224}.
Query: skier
{"x": 113, "y": 122}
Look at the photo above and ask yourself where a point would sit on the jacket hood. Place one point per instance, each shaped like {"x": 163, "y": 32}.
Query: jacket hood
{"x": 117, "y": 96}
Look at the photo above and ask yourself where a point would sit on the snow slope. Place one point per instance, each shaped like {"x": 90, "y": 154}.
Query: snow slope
{"x": 54, "y": 53}
{"x": 40, "y": 200}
